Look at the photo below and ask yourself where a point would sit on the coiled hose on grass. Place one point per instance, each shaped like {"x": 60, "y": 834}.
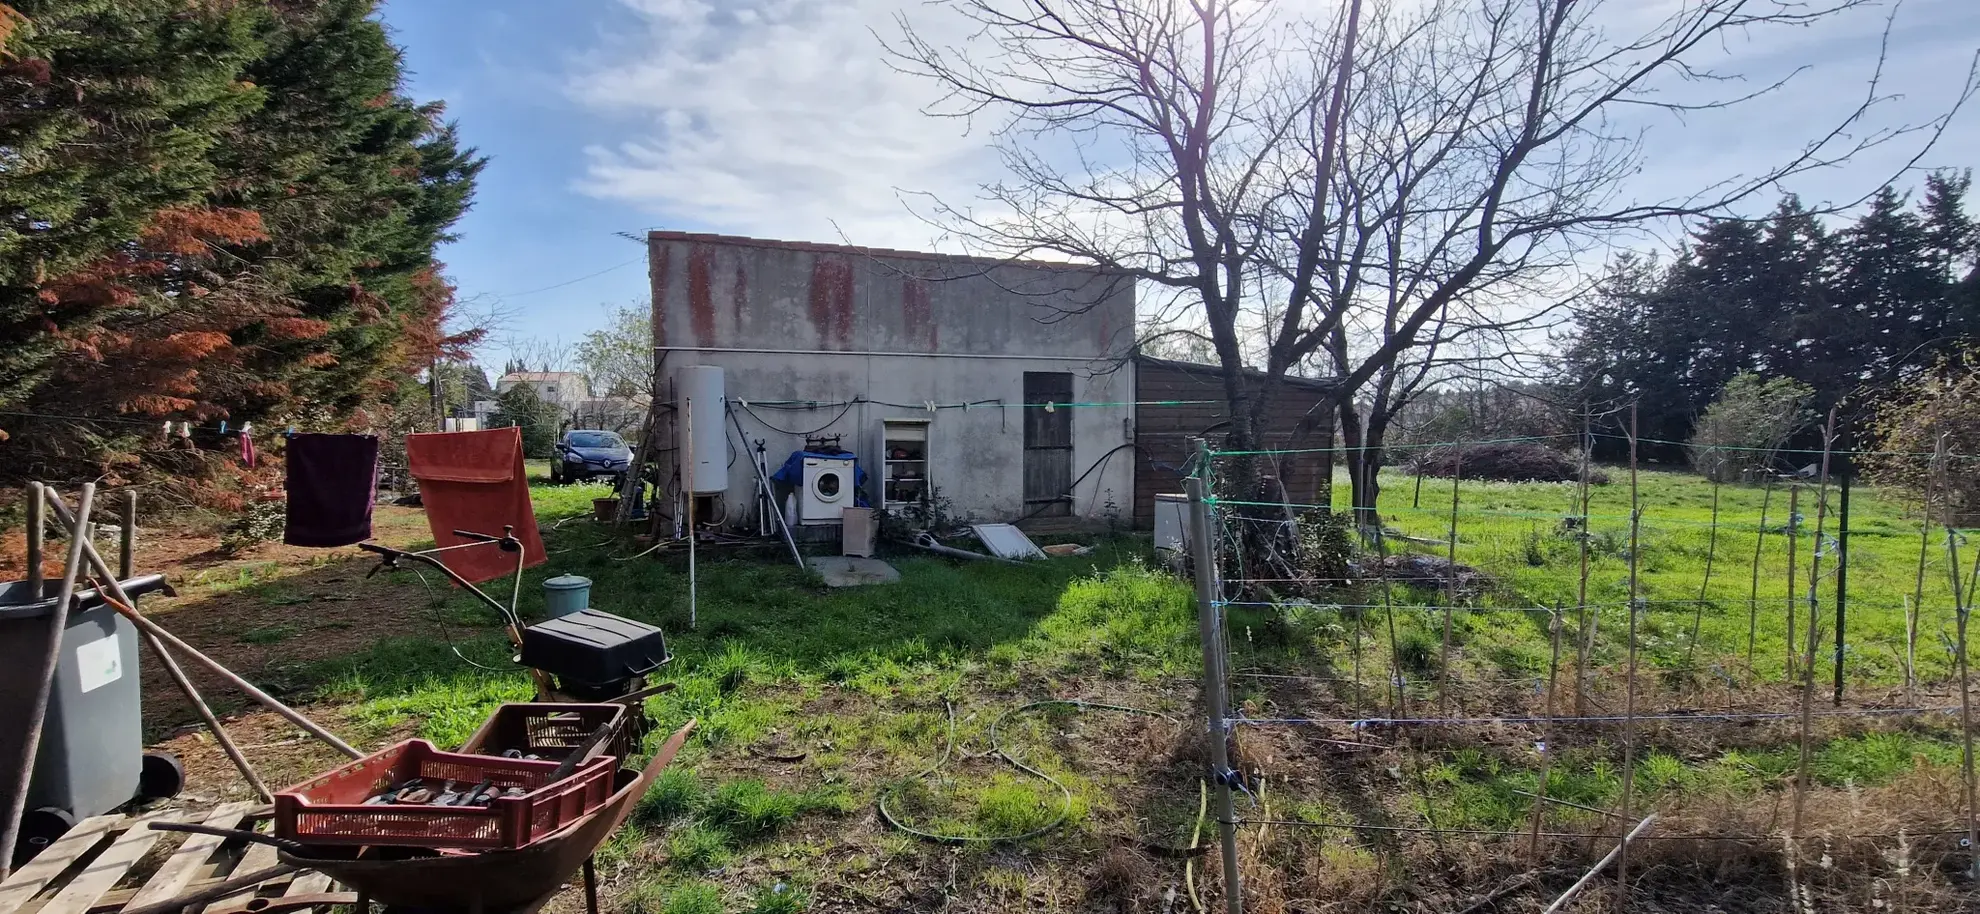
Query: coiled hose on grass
{"x": 997, "y": 748}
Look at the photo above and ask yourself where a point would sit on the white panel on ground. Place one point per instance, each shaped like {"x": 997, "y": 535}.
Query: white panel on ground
{"x": 1007, "y": 542}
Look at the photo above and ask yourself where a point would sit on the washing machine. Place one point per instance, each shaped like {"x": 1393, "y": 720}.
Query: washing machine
{"x": 829, "y": 487}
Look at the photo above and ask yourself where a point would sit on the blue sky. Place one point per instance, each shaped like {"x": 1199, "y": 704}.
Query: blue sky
{"x": 779, "y": 118}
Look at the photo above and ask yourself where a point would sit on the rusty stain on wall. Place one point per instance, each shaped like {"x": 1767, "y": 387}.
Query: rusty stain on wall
{"x": 661, "y": 261}
{"x": 918, "y": 313}
{"x": 831, "y": 302}
{"x": 701, "y": 304}
{"x": 739, "y": 293}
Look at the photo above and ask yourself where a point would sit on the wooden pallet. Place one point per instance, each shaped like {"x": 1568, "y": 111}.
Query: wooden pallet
{"x": 104, "y": 865}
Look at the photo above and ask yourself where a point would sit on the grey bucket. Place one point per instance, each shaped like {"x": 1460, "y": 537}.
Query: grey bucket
{"x": 566, "y": 594}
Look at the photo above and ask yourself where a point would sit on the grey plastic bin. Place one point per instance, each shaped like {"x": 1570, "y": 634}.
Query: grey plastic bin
{"x": 91, "y": 757}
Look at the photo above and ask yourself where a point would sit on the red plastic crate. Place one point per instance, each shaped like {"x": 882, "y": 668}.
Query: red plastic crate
{"x": 329, "y": 809}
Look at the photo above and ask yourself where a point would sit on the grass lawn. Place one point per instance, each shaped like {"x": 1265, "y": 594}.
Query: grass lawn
{"x": 817, "y": 707}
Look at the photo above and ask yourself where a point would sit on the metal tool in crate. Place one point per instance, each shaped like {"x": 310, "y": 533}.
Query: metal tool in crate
{"x": 414, "y": 795}
{"x": 585, "y": 656}
{"x": 552, "y": 731}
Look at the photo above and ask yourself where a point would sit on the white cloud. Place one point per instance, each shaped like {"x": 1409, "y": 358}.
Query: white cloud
{"x": 778, "y": 118}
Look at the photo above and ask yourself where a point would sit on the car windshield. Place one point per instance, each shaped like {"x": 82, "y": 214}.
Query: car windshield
{"x": 595, "y": 439}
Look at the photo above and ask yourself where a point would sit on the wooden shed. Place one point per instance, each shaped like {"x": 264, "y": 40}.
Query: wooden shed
{"x": 1301, "y": 416}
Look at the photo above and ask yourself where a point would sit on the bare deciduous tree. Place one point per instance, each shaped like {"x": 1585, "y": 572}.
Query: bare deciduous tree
{"x": 1355, "y": 190}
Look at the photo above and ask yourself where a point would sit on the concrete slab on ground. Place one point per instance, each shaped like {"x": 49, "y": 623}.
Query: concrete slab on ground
{"x": 852, "y": 571}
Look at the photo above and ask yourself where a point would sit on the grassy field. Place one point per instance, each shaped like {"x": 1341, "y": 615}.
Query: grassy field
{"x": 819, "y": 707}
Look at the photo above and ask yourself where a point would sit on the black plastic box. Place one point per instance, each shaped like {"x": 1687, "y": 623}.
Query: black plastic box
{"x": 594, "y": 649}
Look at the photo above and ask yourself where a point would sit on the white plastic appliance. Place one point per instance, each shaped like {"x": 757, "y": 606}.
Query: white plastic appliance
{"x": 703, "y": 437}
{"x": 828, "y": 489}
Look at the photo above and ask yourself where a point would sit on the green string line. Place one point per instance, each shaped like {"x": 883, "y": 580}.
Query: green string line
{"x": 1344, "y": 449}
{"x": 974, "y": 404}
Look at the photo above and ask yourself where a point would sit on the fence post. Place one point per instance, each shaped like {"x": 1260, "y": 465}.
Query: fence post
{"x": 1209, "y": 627}
{"x": 1842, "y": 575}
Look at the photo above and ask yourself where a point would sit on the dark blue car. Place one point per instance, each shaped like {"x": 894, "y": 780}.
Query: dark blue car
{"x": 588, "y": 454}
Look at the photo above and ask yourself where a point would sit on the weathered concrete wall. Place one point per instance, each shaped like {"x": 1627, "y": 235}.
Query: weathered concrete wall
{"x": 737, "y": 293}
{"x": 977, "y": 455}
{"x": 870, "y": 336}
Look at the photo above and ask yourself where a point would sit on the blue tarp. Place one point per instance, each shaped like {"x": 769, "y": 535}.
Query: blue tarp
{"x": 792, "y": 472}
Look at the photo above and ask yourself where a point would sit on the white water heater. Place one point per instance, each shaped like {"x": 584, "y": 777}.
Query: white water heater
{"x": 702, "y": 429}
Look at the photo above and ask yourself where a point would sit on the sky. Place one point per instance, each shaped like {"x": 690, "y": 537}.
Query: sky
{"x": 782, "y": 119}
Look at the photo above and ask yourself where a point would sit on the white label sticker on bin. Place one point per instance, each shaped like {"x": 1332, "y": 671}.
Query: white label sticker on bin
{"x": 99, "y": 662}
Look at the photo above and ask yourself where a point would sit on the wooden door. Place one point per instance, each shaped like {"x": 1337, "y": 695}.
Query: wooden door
{"x": 1048, "y": 444}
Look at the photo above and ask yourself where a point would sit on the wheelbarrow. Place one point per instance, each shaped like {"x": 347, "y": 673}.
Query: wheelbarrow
{"x": 492, "y": 882}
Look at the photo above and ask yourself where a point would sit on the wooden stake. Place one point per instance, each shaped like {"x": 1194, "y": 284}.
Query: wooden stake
{"x": 1711, "y": 550}
{"x": 1918, "y": 589}
{"x": 1753, "y": 596}
{"x": 206, "y": 715}
{"x": 1961, "y": 612}
{"x": 1615, "y": 855}
{"x": 1444, "y": 661}
{"x": 1547, "y": 735}
{"x": 43, "y": 680}
{"x": 127, "y": 538}
{"x": 1586, "y": 647}
{"x": 37, "y": 532}
{"x": 1814, "y": 614}
{"x": 1629, "y": 687}
{"x": 1794, "y": 549}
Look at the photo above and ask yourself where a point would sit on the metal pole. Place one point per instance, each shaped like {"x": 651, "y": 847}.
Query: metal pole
{"x": 1842, "y": 575}
{"x": 206, "y": 714}
{"x": 1209, "y": 629}
{"x": 127, "y": 608}
{"x": 1629, "y": 687}
{"x": 37, "y": 531}
{"x": 763, "y": 479}
{"x": 127, "y": 542}
{"x": 58, "y": 621}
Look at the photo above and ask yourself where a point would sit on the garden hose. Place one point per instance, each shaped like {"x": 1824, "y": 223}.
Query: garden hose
{"x": 997, "y": 748}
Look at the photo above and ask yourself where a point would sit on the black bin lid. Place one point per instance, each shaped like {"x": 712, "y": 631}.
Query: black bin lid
{"x": 593, "y": 647}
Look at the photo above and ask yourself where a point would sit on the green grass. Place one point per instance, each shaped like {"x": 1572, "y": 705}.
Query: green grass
{"x": 1514, "y": 532}
{"x": 698, "y": 847}
{"x": 858, "y": 678}
{"x": 780, "y": 898}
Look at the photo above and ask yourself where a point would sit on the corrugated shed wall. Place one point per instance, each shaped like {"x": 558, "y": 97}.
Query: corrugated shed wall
{"x": 1298, "y": 417}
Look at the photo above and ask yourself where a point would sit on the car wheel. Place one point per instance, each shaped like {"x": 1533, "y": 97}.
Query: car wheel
{"x": 556, "y": 473}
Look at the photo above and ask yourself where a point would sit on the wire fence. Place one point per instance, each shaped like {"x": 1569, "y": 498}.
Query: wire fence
{"x": 1573, "y": 634}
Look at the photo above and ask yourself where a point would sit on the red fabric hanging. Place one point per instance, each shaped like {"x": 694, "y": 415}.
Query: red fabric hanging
{"x": 474, "y": 481}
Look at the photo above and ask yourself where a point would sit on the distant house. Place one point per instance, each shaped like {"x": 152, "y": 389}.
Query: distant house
{"x": 998, "y": 390}
{"x": 618, "y": 414}
{"x": 562, "y": 389}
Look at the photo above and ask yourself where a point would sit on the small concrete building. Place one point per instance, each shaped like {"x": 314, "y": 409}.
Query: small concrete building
{"x": 998, "y": 390}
